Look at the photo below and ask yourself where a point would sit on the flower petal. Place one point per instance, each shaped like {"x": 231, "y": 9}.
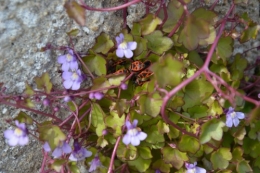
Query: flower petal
{"x": 67, "y": 84}
{"x": 200, "y": 170}
{"x": 46, "y": 147}
{"x": 135, "y": 141}
{"x": 240, "y": 115}
{"x": 128, "y": 53}
{"x": 74, "y": 65}
{"x": 120, "y": 53}
{"x": 72, "y": 157}
{"x": 86, "y": 153}
{"x": 9, "y": 133}
{"x": 57, "y": 152}
{"x": 66, "y": 75}
{"x": 75, "y": 85}
{"x": 66, "y": 148}
{"x": 65, "y": 66}
{"x": 142, "y": 136}
{"x": 126, "y": 139}
{"x": 13, "y": 141}
{"x": 135, "y": 122}
{"x": 132, "y": 45}
{"x": 23, "y": 140}
{"x": 236, "y": 121}
{"x": 62, "y": 59}
{"x": 128, "y": 125}
{"x": 229, "y": 121}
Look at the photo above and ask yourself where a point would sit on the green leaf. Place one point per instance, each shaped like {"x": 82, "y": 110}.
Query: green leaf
{"x": 163, "y": 127}
{"x": 43, "y": 82}
{"x": 220, "y": 158}
{"x": 103, "y": 44}
{"x": 161, "y": 165}
{"x": 22, "y": 117}
{"x": 116, "y": 80}
{"x": 57, "y": 164}
{"x": 249, "y": 33}
{"x": 151, "y": 105}
{"x": 243, "y": 167}
{"x": 73, "y": 167}
{"x": 158, "y": 43}
{"x": 97, "y": 115}
{"x": 168, "y": 71}
{"x": 145, "y": 152}
{"x": 95, "y": 63}
{"x": 153, "y": 135}
{"x": 136, "y": 30}
{"x": 115, "y": 122}
{"x": 140, "y": 164}
{"x": 224, "y": 48}
{"x": 174, "y": 157}
{"x": 195, "y": 58}
{"x": 100, "y": 82}
{"x": 198, "y": 111}
{"x": 51, "y": 133}
{"x": 76, "y": 12}
{"x": 237, "y": 154}
{"x": 28, "y": 90}
{"x": 197, "y": 91}
{"x": 237, "y": 67}
{"x": 126, "y": 153}
{"x": 188, "y": 144}
{"x": 101, "y": 142}
{"x": 212, "y": 129}
{"x": 222, "y": 71}
{"x": 149, "y": 23}
{"x": 174, "y": 12}
{"x": 73, "y": 32}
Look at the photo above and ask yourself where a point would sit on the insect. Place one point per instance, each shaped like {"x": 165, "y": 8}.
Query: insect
{"x": 143, "y": 77}
{"x": 137, "y": 66}
{"x": 121, "y": 71}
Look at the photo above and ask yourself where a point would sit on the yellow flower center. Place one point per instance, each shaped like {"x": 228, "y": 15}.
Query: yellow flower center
{"x": 132, "y": 132}
{"x": 69, "y": 57}
{"x": 233, "y": 114}
{"x": 123, "y": 45}
{"x": 18, "y": 132}
{"x": 75, "y": 76}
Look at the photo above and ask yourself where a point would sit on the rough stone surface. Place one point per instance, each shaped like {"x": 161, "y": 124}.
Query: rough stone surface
{"x": 26, "y": 26}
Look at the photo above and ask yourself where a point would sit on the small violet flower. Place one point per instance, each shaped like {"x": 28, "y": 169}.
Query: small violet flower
{"x": 67, "y": 99}
{"x": 79, "y": 153}
{"x": 134, "y": 134}
{"x": 19, "y": 136}
{"x": 123, "y": 86}
{"x": 94, "y": 164}
{"x": 233, "y": 117}
{"x": 96, "y": 95}
{"x": 68, "y": 61}
{"x": 63, "y": 148}
{"x": 192, "y": 168}
{"x": 72, "y": 79}
{"x": 125, "y": 48}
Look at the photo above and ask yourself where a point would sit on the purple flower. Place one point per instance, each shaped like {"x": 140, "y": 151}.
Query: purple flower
{"x": 72, "y": 79}
{"x": 94, "y": 164}
{"x": 133, "y": 135}
{"x": 46, "y": 102}
{"x": 63, "y": 148}
{"x": 96, "y": 95}
{"x": 68, "y": 61}
{"x": 157, "y": 171}
{"x": 233, "y": 117}
{"x": 123, "y": 86}
{"x": 192, "y": 168}
{"x": 46, "y": 147}
{"x": 67, "y": 99}
{"x": 125, "y": 48}
{"x": 79, "y": 153}
{"x": 19, "y": 136}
